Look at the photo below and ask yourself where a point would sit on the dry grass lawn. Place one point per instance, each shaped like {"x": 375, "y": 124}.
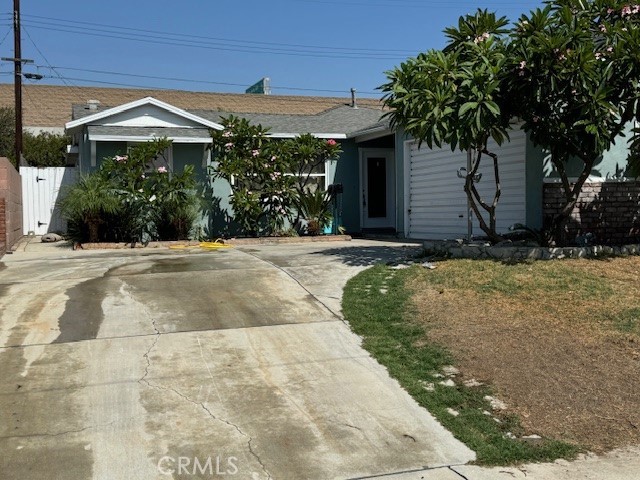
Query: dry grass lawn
{"x": 558, "y": 341}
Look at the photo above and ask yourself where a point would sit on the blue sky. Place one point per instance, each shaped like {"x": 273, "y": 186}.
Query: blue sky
{"x": 308, "y": 47}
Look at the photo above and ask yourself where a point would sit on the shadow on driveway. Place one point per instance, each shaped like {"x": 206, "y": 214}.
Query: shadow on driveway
{"x": 365, "y": 256}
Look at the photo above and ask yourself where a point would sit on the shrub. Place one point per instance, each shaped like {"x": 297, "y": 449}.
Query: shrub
{"x": 133, "y": 198}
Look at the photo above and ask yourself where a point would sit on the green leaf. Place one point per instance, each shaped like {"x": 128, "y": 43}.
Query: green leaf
{"x": 466, "y": 107}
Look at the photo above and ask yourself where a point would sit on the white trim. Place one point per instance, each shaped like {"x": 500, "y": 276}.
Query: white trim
{"x": 374, "y": 134}
{"x": 206, "y": 156}
{"x": 337, "y": 136}
{"x": 407, "y": 144}
{"x": 138, "y": 103}
{"x": 360, "y": 189}
{"x": 140, "y": 138}
{"x": 93, "y": 154}
{"x": 392, "y": 197}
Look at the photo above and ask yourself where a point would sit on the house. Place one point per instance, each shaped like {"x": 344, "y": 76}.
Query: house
{"x": 391, "y": 185}
{"x": 103, "y": 131}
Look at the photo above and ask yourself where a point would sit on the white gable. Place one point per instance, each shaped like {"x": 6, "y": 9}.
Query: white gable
{"x": 148, "y": 116}
{"x": 146, "y": 112}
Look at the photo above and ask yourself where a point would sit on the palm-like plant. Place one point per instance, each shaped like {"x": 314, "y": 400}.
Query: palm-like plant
{"x": 315, "y": 207}
{"x": 88, "y": 201}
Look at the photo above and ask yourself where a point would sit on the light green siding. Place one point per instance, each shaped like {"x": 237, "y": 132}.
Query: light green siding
{"x": 347, "y": 173}
{"x": 103, "y": 150}
{"x": 612, "y": 164}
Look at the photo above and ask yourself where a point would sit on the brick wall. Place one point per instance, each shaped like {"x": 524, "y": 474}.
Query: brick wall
{"x": 10, "y": 205}
{"x": 610, "y": 210}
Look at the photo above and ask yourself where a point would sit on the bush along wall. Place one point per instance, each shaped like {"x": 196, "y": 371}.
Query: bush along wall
{"x": 132, "y": 198}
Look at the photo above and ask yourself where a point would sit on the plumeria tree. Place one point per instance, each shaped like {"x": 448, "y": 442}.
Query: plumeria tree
{"x": 573, "y": 76}
{"x": 307, "y": 155}
{"x": 261, "y": 193}
{"x": 456, "y": 97}
{"x": 270, "y": 178}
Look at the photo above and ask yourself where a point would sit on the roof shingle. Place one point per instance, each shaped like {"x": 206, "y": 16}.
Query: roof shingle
{"x": 51, "y": 106}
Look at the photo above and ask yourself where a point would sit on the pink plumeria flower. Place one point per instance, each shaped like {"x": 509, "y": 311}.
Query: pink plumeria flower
{"x": 162, "y": 169}
{"x": 331, "y": 142}
{"x": 228, "y": 146}
{"x": 121, "y": 158}
{"x": 255, "y": 153}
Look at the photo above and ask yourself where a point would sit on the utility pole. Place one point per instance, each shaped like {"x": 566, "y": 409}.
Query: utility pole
{"x": 17, "y": 53}
{"x": 17, "y": 82}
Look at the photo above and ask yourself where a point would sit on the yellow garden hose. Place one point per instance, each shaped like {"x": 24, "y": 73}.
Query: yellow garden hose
{"x": 218, "y": 244}
{"x": 214, "y": 245}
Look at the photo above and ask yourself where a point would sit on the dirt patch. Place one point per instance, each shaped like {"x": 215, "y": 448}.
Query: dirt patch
{"x": 559, "y": 342}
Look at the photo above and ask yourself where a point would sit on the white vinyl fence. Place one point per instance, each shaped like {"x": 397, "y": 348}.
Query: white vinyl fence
{"x": 40, "y": 191}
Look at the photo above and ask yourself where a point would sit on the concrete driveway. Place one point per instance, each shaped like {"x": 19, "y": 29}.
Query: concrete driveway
{"x": 191, "y": 364}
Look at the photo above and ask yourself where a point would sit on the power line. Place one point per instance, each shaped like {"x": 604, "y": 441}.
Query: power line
{"x": 5, "y": 36}
{"x": 64, "y": 81}
{"x": 191, "y": 80}
{"x": 150, "y": 87}
{"x": 207, "y": 39}
{"x": 191, "y": 44}
{"x": 228, "y": 49}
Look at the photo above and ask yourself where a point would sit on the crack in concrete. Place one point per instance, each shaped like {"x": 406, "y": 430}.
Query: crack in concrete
{"x": 213, "y": 416}
{"x": 66, "y": 432}
{"x": 450, "y": 467}
{"x": 144, "y": 380}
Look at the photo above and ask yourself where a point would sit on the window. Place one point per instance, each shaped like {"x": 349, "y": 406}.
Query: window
{"x": 314, "y": 179}
{"x": 165, "y": 159}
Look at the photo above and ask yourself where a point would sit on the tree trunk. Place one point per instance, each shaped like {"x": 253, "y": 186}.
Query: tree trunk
{"x": 554, "y": 233}
{"x": 93, "y": 225}
{"x": 475, "y": 200}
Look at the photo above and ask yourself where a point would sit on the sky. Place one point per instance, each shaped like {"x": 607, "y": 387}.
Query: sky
{"x": 305, "y": 47}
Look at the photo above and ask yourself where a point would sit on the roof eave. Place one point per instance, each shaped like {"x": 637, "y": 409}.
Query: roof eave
{"x": 75, "y": 125}
{"x": 371, "y": 134}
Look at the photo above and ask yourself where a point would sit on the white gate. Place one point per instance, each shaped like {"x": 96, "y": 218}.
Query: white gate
{"x": 40, "y": 191}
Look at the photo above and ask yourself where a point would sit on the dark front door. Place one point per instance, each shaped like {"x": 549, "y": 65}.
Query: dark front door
{"x": 378, "y": 188}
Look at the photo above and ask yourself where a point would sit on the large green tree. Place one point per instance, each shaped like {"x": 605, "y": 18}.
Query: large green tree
{"x": 7, "y": 132}
{"x": 39, "y": 150}
{"x": 573, "y": 75}
{"x": 456, "y": 97}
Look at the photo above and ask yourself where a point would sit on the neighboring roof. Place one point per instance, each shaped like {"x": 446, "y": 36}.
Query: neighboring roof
{"x": 51, "y": 106}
